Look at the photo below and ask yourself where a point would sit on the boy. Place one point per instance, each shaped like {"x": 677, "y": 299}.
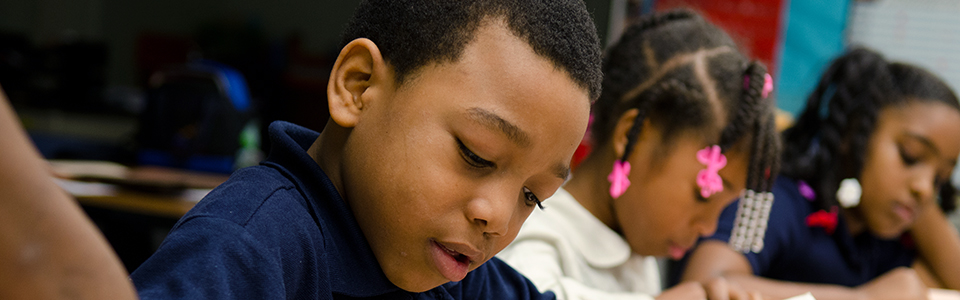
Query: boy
{"x": 449, "y": 121}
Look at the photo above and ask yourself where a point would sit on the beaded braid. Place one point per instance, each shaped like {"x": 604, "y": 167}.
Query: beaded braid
{"x": 756, "y": 202}
{"x": 825, "y": 147}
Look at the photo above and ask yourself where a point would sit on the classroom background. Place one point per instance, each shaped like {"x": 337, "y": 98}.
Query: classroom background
{"x": 143, "y": 106}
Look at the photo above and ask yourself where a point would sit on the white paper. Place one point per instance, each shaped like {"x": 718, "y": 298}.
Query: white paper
{"x": 940, "y": 294}
{"x": 806, "y": 296}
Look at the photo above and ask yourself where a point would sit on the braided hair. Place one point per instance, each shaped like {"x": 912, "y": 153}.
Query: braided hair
{"x": 829, "y": 140}
{"x": 682, "y": 73}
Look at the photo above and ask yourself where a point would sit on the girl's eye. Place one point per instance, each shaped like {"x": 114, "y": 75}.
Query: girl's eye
{"x": 472, "y": 158}
{"x": 907, "y": 159}
{"x": 531, "y": 198}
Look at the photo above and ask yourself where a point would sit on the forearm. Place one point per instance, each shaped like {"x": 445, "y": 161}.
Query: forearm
{"x": 713, "y": 259}
{"x": 48, "y": 249}
{"x": 776, "y": 289}
{"x": 938, "y": 243}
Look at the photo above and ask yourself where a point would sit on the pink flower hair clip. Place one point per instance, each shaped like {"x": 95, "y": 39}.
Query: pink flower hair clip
{"x": 708, "y": 179}
{"x": 618, "y": 178}
{"x": 767, "y": 84}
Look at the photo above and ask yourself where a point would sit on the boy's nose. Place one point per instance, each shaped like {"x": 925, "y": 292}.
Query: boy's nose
{"x": 492, "y": 215}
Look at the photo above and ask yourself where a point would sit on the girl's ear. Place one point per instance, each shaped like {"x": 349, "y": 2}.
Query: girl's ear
{"x": 622, "y": 129}
{"x": 360, "y": 68}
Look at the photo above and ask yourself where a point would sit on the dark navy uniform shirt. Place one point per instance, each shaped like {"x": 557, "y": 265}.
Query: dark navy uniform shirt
{"x": 794, "y": 251}
{"x": 281, "y": 231}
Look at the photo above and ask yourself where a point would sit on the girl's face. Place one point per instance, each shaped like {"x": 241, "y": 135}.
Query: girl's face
{"x": 662, "y": 212}
{"x": 910, "y": 154}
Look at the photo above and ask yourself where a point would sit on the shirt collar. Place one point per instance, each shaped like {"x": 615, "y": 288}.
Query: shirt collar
{"x": 353, "y": 268}
{"x": 600, "y": 246}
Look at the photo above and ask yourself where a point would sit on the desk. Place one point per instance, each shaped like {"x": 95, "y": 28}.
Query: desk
{"x": 152, "y": 191}
{"x": 134, "y": 207}
{"x": 167, "y": 206}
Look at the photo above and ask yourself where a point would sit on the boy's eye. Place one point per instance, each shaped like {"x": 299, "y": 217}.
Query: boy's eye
{"x": 531, "y": 198}
{"x": 472, "y": 158}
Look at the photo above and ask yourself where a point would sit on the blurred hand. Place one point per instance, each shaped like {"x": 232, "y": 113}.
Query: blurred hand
{"x": 686, "y": 290}
{"x": 900, "y": 283}
{"x": 721, "y": 289}
{"x": 716, "y": 289}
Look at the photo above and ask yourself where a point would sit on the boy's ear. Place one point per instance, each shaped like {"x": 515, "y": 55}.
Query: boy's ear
{"x": 359, "y": 67}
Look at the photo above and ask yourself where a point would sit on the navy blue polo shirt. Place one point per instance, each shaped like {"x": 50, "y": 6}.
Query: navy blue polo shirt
{"x": 796, "y": 252}
{"x": 281, "y": 231}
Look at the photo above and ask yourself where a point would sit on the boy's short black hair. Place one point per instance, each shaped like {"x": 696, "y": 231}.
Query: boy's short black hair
{"x": 414, "y": 33}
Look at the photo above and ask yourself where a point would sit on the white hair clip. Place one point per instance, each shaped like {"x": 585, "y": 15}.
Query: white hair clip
{"x": 849, "y": 193}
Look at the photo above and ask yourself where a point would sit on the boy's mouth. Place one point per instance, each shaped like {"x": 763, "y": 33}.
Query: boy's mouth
{"x": 451, "y": 263}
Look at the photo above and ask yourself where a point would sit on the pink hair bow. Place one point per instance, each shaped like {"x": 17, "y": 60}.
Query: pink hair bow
{"x": 767, "y": 85}
{"x": 708, "y": 179}
{"x": 618, "y": 178}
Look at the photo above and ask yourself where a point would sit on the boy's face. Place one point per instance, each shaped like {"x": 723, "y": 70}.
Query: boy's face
{"x": 439, "y": 172}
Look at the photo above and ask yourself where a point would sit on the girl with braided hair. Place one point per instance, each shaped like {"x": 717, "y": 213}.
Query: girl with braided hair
{"x": 857, "y": 214}
{"x": 682, "y": 127}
